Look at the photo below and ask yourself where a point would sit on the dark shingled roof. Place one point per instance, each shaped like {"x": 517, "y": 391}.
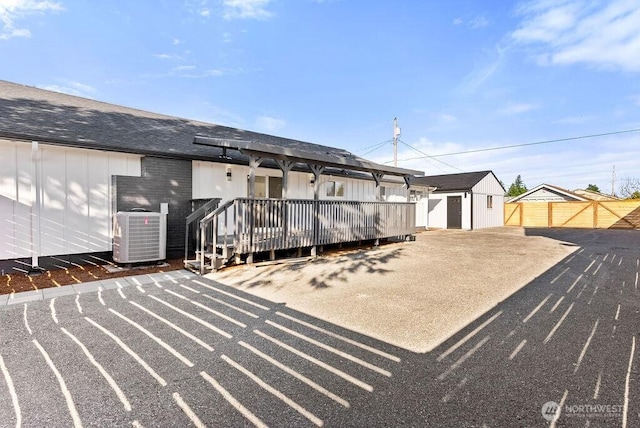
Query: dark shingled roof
{"x": 30, "y": 113}
{"x": 462, "y": 182}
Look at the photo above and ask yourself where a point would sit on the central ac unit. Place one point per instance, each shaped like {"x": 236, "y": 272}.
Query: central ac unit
{"x": 139, "y": 237}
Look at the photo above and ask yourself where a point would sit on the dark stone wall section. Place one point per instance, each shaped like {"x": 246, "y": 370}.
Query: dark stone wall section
{"x": 163, "y": 180}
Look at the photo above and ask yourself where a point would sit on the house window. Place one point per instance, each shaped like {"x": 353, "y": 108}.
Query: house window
{"x": 489, "y": 201}
{"x": 335, "y": 189}
{"x": 267, "y": 187}
{"x": 415, "y": 195}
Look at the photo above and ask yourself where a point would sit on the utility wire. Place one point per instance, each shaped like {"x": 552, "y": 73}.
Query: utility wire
{"x": 426, "y": 156}
{"x": 376, "y": 147}
{"x": 558, "y": 140}
{"x": 373, "y": 145}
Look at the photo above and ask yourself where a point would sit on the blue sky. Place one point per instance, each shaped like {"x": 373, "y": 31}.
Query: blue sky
{"x": 458, "y": 75}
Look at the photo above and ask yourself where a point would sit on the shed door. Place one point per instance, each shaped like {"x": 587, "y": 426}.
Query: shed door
{"x": 454, "y": 212}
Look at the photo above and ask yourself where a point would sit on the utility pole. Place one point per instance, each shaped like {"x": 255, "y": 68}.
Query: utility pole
{"x": 613, "y": 181}
{"x": 396, "y": 135}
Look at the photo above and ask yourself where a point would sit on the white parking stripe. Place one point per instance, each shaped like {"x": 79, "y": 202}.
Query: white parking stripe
{"x": 100, "y": 299}
{"x": 304, "y": 412}
{"x": 187, "y": 411}
{"x": 555, "y": 328}
{"x": 518, "y": 348}
{"x": 26, "y": 321}
{"x": 537, "y": 308}
{"x": 120, "y": 290}
{"x": 473, "y": 333}
{"x": 636, "y": 280}
{"x": 344, "y": 339}
{"x": 330, "y": 349}
{"x": 297, "y": 375}
{"x": 591, "y": 264}
{"x": 129, "y": 351}
{"x": 596, "y": 390}
{"x": 574, "y": 283}
{"x": 112, "y": 383}
{"x": 140, "y": 289}
{"x": 235, "y": 403}
{"x": 230, "y": 295}
{"x": 155, "y": 338}
{"x": 462, "y": 359}
{"x": 559, "y": 411}
{"x": 222, "y": 302}
{"x": 597, "y": 269}
{"x": 208, "y": 309}
{"x": 194, "y": 318}
{"x": 12, "y": 392}
{"x": 625, "y": 409}
{"x": 317, "y": 362}
{"x": 617, "y": 313}
{"x": 52, "y": 306}
{"x": 136, "y": 424}
{"x": 77, "y": 423}
{"x": 189, "y": 288}
{"x": 556, "y": 305}
{"x": 78, "y": 304}
{"x": 586, "y": 346}
{"x": 173, "y": 326}
{"x": 558, "y": 277}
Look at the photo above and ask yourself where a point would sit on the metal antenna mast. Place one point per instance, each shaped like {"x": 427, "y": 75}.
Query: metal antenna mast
{"x": 613, "y": 181}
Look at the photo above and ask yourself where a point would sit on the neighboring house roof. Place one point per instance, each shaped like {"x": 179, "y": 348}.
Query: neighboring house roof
{"x": 595, "y": 196}
{"x": 462, "y": 182}
{"x": 552, "y": 190}
{"x": 30, "y": 113}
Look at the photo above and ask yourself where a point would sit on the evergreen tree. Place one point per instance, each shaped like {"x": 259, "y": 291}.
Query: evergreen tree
{"x": 517, "y": 188}
{"x": 593, "y": 188}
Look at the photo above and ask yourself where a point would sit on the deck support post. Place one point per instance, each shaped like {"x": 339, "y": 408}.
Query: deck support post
{"x": 254, "y": 162}
{"x": 317, "y": 171}
{"x": 377, "y": 177}
{"x": 285, "y": 166}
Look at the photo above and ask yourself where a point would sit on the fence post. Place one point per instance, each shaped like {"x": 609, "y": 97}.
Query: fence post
{"x": 550, "y": 214}
{"x": 520, "y": 207}
{"x": 594, "y": 204}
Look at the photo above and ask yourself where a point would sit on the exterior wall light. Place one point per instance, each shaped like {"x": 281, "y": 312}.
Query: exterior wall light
{"x": 228, "y": 173}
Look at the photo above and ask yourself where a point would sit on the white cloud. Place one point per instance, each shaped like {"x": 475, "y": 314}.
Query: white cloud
{"x": 487, "y": 67}
{"x": 176, "y": 42}
{"x": 12, "y": 11}
{"x": 246, "y": 9}
{"x": 602, "y": 34}
{"x": 71, "y": 87}
{"x": 518, "y": 108}
{"x": 270, "y": 124}
{"x": 478, "y": 22}
{"x": 457, "y": 21}
{"x": 573, "y": 120}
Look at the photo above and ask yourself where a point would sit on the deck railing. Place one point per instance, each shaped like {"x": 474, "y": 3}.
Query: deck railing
{"x": 260, "y": 225}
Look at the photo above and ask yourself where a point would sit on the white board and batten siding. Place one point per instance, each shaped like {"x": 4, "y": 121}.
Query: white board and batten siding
{"x": 73, "y": 187}
{"x": 483, "y": 215}
{"x": 210, "y": 181}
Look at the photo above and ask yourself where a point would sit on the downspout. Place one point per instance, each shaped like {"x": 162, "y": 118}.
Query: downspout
{"x": 471, "y": 196}
{"x": 36, "y": 203}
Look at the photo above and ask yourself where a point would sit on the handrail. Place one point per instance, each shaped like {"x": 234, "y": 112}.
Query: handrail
{"x": 197, "y": 213}
{"x": 217, "y": 211}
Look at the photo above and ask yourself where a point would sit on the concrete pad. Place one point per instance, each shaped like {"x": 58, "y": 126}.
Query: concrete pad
{"x": 87, "y": 287}
{"x": 111, "y": 284}
{"x": 3, "y": 299}
{"x": 65, "y": 290}
{"x": 24, "y": 297}
{"x": 139, "y": 280}
{"x": 415, "y": 294}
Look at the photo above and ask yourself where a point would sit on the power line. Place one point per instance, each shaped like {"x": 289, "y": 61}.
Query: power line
{"x": 373, "y": 145}
{"x": 376, "y": 147}
{"x": 426, "y": 156}
{"x": 558, "y": 140}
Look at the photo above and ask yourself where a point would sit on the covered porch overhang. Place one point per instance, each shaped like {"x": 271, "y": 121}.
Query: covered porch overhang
{"x": 315, "y": 158}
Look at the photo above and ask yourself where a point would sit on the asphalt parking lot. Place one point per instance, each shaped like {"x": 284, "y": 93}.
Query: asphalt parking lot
{"x": 181, "y": 350}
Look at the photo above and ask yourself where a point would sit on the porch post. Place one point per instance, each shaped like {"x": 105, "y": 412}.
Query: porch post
{"x": 317, "y": 171}
{"x": 254, "y": 162}
{"x": 285, "y": 166}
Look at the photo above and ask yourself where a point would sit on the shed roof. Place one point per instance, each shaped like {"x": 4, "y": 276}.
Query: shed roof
{"x": 30, "y": 113}
{"x": 453, "y": 182}
{"x": 553, "y": 189}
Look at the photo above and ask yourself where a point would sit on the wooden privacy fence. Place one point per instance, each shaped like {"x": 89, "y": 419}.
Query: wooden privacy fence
{"x": 590, "y": 214}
